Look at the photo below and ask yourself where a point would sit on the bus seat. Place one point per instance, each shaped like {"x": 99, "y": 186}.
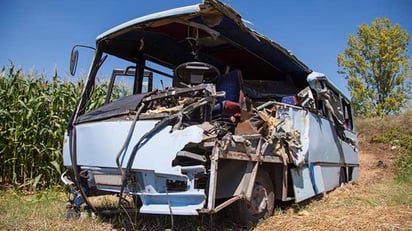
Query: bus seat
{"x": 231, "y": 84}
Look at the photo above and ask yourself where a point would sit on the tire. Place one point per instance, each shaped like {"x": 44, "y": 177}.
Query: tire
{"x": 261, "y": 204}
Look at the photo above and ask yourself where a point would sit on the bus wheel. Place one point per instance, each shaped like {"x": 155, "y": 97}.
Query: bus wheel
{"x": 262, "y": 202}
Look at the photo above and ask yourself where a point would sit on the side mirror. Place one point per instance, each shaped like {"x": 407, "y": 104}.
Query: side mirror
{"x": 74, "y": 56}
{"x": 73, "y": 61}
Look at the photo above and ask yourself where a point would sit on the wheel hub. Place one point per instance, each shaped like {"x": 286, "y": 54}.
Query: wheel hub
{"x": 258, "y": 201}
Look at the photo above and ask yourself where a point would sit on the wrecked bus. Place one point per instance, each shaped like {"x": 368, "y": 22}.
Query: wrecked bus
{"x": 241, "y": 122}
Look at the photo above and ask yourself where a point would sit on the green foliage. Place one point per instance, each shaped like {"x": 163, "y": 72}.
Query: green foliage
{"x": 401, "y": 139}
{"x": 403, "y": 164}
{"x": 377, "y": 68}
{"x": 388, "y": 137}
{"x": 34, "y": 112}
{"x": 98, "y": 96}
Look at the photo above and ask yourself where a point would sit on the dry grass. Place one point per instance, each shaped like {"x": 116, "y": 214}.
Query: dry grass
{"x": 46, "y": 211}
{"x": 42, "y": 211}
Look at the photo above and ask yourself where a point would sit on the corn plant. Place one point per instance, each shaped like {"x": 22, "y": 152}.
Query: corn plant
{"x": 34, "y": 112}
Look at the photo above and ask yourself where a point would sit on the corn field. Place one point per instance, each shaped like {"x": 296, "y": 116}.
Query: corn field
{"x": 34, "y": 111}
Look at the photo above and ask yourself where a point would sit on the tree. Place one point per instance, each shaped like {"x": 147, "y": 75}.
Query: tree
{"x": 377, "y": 68}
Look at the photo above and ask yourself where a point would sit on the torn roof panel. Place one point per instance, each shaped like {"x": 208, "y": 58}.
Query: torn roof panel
{"x": 147, "y": 18}
{"x": 223, "y": 38}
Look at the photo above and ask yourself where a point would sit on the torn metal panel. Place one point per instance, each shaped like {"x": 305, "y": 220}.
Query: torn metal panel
{"x": 172, "y": 142}
{"x": 286, "y": 130}
{"x": 156, "y": 16}
{"x": 98, "y": 138}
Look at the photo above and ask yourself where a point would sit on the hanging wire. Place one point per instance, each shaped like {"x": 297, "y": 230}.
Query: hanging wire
{"x": 170, "y": 209}
{"x": 129, "y": 217}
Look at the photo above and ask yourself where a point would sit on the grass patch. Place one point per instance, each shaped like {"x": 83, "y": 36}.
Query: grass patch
{"x": 395, "y": 131}
{"x": 358, "y": 201}
{"x": 43, "y": 210}
{"x": 18, "y": 211}
{"x": 390, "y": 193}
{"x": 400, "y": 193}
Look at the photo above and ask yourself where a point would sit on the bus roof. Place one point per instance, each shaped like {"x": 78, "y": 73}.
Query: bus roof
{"x": 222, "y": 39}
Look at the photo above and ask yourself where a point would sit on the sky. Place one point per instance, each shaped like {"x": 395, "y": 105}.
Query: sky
{"x": 39, "y": 35}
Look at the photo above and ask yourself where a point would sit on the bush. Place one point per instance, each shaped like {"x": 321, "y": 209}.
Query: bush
{"x": 403, "y": 164}
{"x": 397, "y": 132}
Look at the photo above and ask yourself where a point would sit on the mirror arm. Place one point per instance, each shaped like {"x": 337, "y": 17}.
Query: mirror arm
{"x": 74, "y": 57}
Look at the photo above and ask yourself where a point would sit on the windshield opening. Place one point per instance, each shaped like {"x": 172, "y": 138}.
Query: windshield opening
{"x": 117, "y": 78}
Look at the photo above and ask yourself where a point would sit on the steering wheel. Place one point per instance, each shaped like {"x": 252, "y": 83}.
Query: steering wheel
{"x": 197, "y": 72}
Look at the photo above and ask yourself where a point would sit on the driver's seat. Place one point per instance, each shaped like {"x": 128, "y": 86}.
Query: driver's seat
{"x": 231, "y": 83}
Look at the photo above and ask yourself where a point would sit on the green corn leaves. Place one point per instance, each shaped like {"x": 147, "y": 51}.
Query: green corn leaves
{"x": 33, "y": 114}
